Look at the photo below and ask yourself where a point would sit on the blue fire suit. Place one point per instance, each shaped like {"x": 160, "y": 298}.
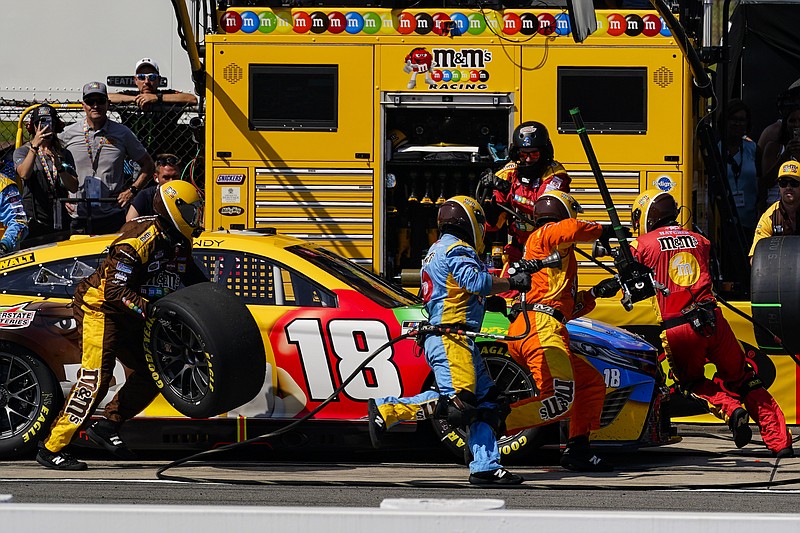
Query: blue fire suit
{"x": 455, "y": 283}
{"x": 12, "y": 216}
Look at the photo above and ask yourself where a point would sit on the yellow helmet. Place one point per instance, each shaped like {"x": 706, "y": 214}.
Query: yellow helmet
{"x": 790, "y": 169}
{"x": 180, "y": 203}
{"x": 463, "y": 217}
{"x": 555, "y": 205}
{"x": 653, "y": 207}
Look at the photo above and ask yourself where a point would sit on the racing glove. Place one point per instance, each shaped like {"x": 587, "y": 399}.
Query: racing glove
{"x": 5, "y": 249}
{"x": 608, "y": 233}
{"x": 606, "y": 288}
{"x": 521, "y": 281}
{"x": 490, "y": 181}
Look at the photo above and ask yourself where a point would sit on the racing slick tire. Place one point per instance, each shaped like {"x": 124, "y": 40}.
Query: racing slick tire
{"x": 775, "y": 292}
{"x": 516, "y": 383}
{"x": 30, "y": 399}
{"x": 204, "y": 350}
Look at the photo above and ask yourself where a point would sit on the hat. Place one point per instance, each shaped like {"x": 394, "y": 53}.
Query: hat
{"x": 145, "y": 61}
{"x": 790, "y": 169}
{"x": 94, "y": 87}
{"x": 43, "y": 111}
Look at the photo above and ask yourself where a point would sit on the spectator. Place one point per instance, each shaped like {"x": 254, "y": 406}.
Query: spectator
{"x": 99, "y": 147}
{"x": 781, "y": 217}
{"x": 155, "y": 121}
{"x": 47, "y": 171}
{"x": 743, "y": 157}
{"x": 780, "y": 142}
{"x": 696, "y": 332}
{"x": 166, "y": 170}
{"x": 531, "y": 173}
{"x": 12, "y": 216}
{"x": 455, "y": 283}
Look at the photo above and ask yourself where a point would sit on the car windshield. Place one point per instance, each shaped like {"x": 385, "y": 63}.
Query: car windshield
{"x": 355, "y": 276}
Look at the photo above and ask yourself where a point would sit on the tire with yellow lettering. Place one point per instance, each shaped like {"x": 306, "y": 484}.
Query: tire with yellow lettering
{"x": 516, "y": 383}
{"x": 205, "y": 350}
{"x": 30, "y": 398}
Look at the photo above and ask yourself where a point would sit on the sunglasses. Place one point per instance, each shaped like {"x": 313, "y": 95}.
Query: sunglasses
{"x": 168, "y": 161}
{"x": 91, "y": 102}
{"x": 529, "y": 156}
{"x": 151, "y": 77}
{"x": 788, "y": 182}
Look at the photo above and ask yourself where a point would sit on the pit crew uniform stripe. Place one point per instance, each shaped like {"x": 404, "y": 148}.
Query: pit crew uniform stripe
{"x": 89, "y": 385}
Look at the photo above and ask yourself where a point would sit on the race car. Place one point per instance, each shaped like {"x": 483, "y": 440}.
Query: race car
{"x": 317, "y": 318}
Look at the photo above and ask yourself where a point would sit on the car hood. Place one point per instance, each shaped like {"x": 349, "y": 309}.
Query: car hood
{"x": 591, "y": 331}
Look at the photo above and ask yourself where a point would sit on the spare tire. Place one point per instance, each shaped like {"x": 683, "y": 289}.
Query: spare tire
{"x": 204, "y": 350}
{"x": 775, "y": 290}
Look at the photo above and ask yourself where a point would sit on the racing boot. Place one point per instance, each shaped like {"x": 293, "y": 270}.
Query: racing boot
{"x": 578, "y": 457}
{"x": 501, "y": 476}
{"x": 377, "y": 425}
{"x": 738, "y": 423}
{"x": 784, "y": 453}
{"x": 105, "y": 433}
{"x": 58, "y": 460}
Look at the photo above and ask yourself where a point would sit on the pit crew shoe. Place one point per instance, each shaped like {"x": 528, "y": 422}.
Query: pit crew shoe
{"x": 58, "y": 460}
{"x": 578, "y": 457}
{"x": 738, "y": 423}
{"x": 377, "y": 425}
{"x": 501, "y": 476}
{"x": 785, "y": 453}
{"x": 104, "y": 433}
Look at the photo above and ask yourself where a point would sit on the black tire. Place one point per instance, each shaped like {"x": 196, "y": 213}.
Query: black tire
{"x": 205, "y": 350}
{"x": 516, "y": 383}
{"x": 775, "y": 290}
{"x": 30, "y": 399}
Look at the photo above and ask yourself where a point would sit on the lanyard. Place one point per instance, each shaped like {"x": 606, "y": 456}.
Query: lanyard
{"x": 51, "y": 173}
{"x": 96, "y": 159}
{"x": 736, "y": 167}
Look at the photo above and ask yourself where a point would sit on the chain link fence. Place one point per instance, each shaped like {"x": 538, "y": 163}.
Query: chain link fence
{"x": 162, "y": 128}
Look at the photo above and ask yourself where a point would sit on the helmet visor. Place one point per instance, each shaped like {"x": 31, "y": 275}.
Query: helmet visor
{"x": 192, "y": 213}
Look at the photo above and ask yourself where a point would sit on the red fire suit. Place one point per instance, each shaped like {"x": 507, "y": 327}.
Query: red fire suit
{"x": 568, "y": 385}
{"x": 679, "y": 259}
{"x": 520, "y": 198}
{"x": 143, "y": 264}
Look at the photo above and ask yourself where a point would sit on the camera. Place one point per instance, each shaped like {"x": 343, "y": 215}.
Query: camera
{"x": 46, "y": 121}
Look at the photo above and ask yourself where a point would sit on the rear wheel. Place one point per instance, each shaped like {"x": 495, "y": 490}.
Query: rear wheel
{"x": 516, "y": 383}
{"x": 30, "y": 398}
{"x": 205, "y": 350}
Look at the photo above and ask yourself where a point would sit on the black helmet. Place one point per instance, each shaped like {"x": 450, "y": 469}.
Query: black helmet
{"x": 463, "y": 217}
{"x": 655, "y": 207}
{"x": 555, "y": 205}
{"x": 531, "y": 136}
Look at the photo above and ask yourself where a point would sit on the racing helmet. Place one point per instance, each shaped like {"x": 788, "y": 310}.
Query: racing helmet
{"x": 180, "y": 203}
{"x": 463, "y": 217}
{"x": 655, "y": 207}
{"x": 532, "y": 137}
{"x": 789, "y": 169}
{"x": 553, "y": 206}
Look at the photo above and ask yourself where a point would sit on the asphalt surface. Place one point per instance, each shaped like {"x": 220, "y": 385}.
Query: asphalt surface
{"x": 704, "y": 472}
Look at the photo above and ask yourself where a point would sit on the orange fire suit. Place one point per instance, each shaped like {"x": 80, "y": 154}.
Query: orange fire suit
{"x": 568, "y": 385}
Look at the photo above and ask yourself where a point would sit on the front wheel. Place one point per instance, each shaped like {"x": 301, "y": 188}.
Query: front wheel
{"x": 30, "y": 398}
{"x": 516, "y": 383}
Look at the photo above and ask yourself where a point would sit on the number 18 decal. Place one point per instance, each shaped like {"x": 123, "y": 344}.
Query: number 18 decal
{"x": 612, "y": 377}
{"x": 352, "y": 341}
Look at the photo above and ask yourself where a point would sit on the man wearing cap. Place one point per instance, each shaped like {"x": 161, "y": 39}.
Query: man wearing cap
{"x": 155, "y": 116}
{"x": 781, "y": 217}
{"x": 99, "y": 147}
{"x": 147, "y": 79}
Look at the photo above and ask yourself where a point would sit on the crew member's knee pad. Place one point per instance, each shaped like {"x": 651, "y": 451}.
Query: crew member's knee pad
{"x": 749, "y": 385}
{"x": 461, "y": 408}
